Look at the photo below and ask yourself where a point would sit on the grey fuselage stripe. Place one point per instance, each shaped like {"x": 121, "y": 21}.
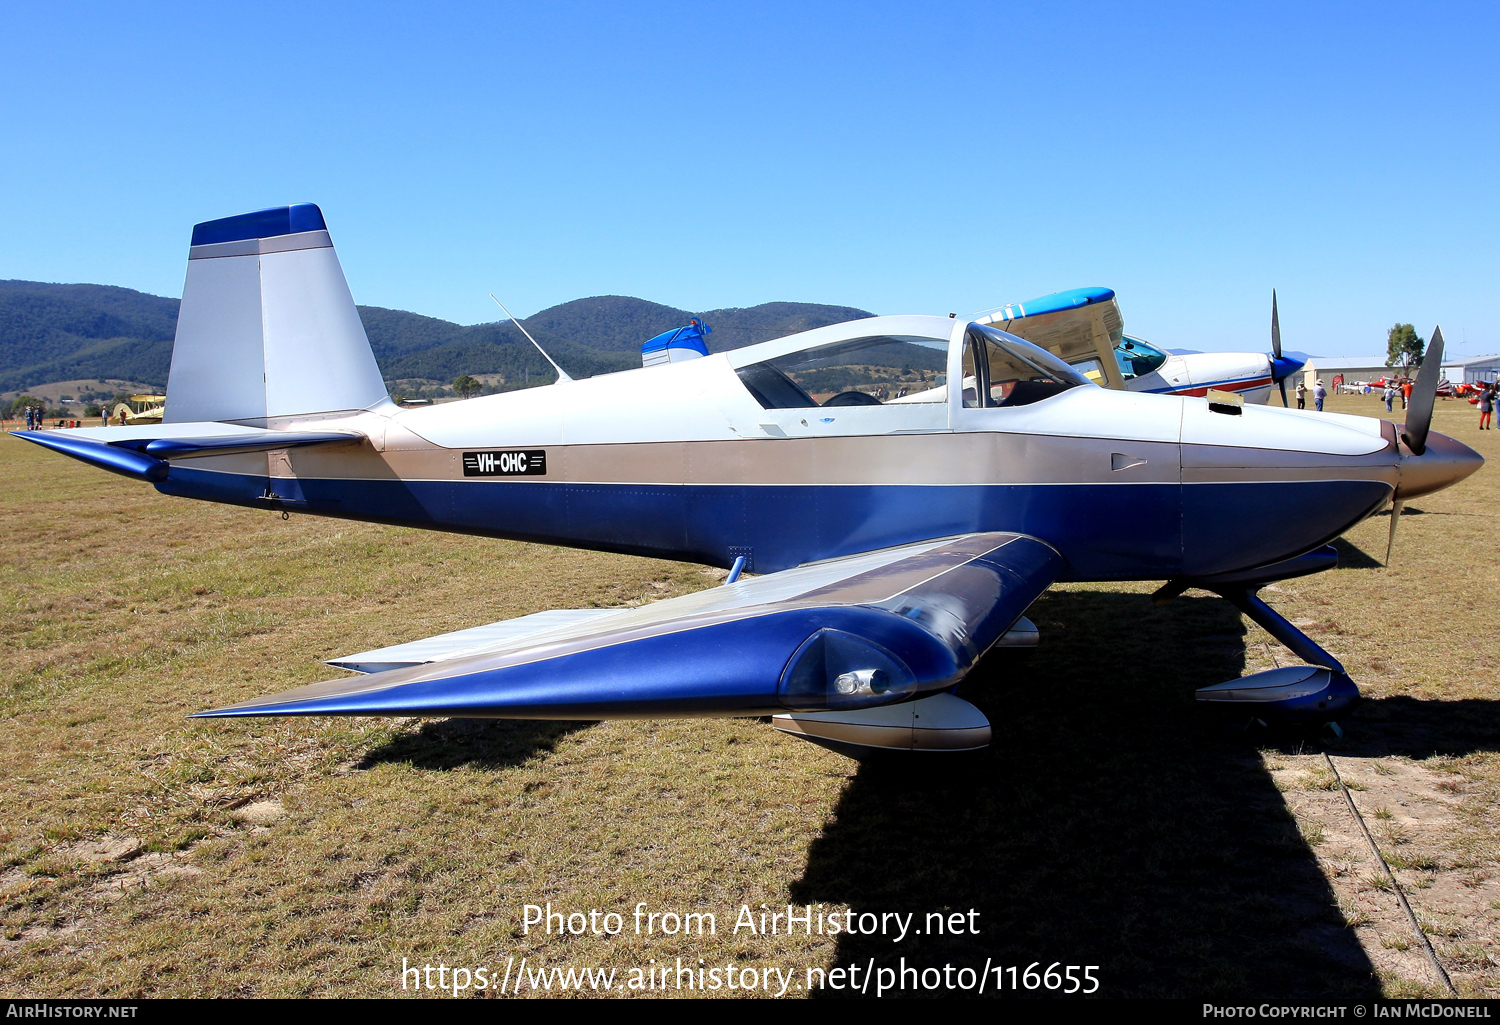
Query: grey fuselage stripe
{"x": 940, "y": 460}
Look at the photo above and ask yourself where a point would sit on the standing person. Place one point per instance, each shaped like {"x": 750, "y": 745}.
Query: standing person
{"x": 1389, "y": 396}
{"x": 1405, "y": 393}
{"x": 1486, "y": 407}
{"x": 1319, "y": 394}
{"x": 1301, "y": 394}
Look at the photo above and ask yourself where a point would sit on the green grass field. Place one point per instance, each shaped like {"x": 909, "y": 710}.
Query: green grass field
{"x": 1112, "y": 822}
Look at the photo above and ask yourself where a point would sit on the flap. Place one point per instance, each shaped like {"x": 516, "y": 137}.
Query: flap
{"x": 475, "y": 640}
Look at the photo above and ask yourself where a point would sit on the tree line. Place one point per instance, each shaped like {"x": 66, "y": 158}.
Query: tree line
{"x": 1404, "y": 348}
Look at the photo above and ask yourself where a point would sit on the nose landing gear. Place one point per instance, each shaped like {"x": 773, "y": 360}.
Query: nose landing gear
{"x": 1313, "y": 695}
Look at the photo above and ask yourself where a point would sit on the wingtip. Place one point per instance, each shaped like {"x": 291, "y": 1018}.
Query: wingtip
{"x": 248, "y": 708}
{"x": 331, "y": 697}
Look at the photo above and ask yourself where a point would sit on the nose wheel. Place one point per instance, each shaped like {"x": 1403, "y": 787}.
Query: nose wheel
{"x": 1317, "y": 694}
{"x": 1309, "y": 697}
{"x": 1314, "y": 695}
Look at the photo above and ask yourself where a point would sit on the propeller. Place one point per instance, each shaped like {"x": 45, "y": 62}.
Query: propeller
{"x": 1424, "y": 395}
{"x": 1418, "y": 419}
{"x": 1282, "y": 367}
{"x": 1276, "y": 348}
{"x": 1390, "y": 541}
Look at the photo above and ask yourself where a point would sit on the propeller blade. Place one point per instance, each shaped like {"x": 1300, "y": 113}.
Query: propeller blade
{"x": 1390, "y": 542}
{"x": 1424, "y": 395}
{"x": 1276, "y": 333}
{"x": 1282, "y": 385}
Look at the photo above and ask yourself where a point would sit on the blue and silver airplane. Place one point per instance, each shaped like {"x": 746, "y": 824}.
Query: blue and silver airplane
{"x": 894, "y": 538}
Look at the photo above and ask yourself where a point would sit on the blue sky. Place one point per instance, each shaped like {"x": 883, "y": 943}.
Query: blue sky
{"x": 922, "y": 157}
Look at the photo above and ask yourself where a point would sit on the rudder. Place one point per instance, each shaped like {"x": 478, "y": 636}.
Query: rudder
{"x": 267, "y": 326}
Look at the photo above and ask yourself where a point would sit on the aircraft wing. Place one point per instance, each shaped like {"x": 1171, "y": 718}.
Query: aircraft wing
{"x": 864, "y": 631}
{"x": 1076, "y": 325}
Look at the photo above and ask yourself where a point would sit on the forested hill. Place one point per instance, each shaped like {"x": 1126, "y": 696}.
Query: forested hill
{"x": 585, "y": 336}
{"x": 618, "y": 323}
{"x": 63, "y": 332}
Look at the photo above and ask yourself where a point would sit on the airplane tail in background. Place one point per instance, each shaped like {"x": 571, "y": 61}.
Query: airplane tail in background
{"x": 267, "y": 326}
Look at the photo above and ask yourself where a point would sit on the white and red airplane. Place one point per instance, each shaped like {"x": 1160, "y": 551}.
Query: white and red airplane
{"x": 1085, "y": 329}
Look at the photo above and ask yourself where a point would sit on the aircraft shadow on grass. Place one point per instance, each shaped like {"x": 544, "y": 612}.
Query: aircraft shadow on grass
{"x": 1353, "y": 557}
{"x": 1112, "y": 822}
{"x": 446, "y": 744}
{"x": 1406, "y": 727}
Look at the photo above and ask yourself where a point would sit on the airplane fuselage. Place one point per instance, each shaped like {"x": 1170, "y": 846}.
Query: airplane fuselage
{"x": 1249, "y": 374}
{"x": 908, "y": 486}
{"x": 680, "y": 461}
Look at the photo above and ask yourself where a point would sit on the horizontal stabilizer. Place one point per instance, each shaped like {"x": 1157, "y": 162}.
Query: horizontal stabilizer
{"x": 869, "y": 630}
{"x": 124, "y": 461}
{"x": 142, "y": 452}
{"x": 261, "y": 441}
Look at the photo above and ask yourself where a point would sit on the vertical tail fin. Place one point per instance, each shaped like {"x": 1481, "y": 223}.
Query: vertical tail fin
{"x": 267, "y": 325}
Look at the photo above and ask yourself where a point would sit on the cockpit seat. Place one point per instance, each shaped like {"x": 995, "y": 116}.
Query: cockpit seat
{"x": 852, "y": 398}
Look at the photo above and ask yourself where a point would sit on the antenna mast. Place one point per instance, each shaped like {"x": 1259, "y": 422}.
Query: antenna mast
{"x": 562, "y": 375}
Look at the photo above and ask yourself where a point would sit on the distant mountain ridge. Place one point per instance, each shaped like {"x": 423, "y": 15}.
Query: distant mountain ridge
{"x": 52, "y": 332}
{"x": 58, "y": 332}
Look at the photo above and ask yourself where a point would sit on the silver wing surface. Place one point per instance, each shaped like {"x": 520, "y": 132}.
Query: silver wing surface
{"x": 856, "y": 633}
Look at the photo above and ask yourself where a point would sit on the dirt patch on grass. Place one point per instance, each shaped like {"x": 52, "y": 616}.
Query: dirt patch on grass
{"x": 1418, "y": 826}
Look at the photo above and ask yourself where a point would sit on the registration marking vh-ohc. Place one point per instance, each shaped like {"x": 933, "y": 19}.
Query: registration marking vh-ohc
{"x": 506, "y": 463}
